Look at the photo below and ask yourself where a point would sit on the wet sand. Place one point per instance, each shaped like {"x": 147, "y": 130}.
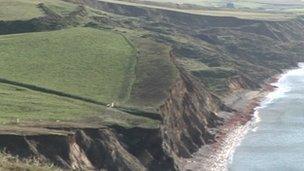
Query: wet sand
{"x": 215, "y": 157}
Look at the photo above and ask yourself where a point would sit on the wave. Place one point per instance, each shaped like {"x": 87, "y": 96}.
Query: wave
{"x": 222, "y": 157}
{"x": 282, "y": 88}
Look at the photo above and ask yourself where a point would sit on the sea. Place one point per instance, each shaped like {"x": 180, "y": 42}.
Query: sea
{"x": 275, "y": 139}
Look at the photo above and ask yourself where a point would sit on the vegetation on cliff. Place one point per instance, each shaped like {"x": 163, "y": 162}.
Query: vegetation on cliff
{"x": 24, "y": 10}
{"x": 9, "y": 162}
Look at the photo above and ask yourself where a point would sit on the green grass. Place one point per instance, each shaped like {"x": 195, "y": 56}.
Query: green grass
{"x": 18, "y": 10}
{"x": 217, "y": 8}
{"x": 215, "y": 78}
{"x": 28, "y": 9}
{"x": 192, "y": 64}
{"x": 155, "y": 73}
{"x": 30, "y": 106}
{"x": 86, "y": 62}
{"x": 59, "y": 7}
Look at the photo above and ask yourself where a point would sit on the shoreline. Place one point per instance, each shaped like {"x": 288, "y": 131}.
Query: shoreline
{"x": 216, "y": 156}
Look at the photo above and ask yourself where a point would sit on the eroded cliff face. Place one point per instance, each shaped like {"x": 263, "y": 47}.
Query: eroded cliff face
{"x": 134, "y": 149}
{"x": 104, "y": 150}
{"x": 189, "y": 120}
{"x": 189, "y": 117}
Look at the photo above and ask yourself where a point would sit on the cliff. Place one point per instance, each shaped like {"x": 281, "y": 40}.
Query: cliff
{"x": 115, "y": 148}
{"x": 189, "y": 116}
{"x": 186, "y": 65}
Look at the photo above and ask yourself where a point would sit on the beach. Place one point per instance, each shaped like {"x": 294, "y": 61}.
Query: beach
{"x": 275, "y": 143}
{"x": 216, "y": 156}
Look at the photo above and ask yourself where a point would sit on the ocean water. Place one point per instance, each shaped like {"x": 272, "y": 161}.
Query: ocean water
{"x": 275, "y": 141}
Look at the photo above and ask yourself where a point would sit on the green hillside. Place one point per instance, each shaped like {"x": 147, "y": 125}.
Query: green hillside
{"x": 28, "y": 9}
{"x": 25, "y": 106}
{"x": 18, "y": 10}
{"x": 80, "y": 61}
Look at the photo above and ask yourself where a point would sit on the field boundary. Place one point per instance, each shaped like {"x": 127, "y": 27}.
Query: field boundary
{"x": 131, "y": 111}
{"x": 127, "y": 94}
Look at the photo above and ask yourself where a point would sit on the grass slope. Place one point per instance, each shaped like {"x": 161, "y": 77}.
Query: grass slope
{"x": 221, "y": 12}
{"x": 58, "y": 6}
{"x": 28, "y": 105}
{"x": 82, "y": 61}
{"x": 18, "y": 10}
{"x": 155, "y": 73}
{"x": 28, "y": 9}
{"x": 23, "y": 106}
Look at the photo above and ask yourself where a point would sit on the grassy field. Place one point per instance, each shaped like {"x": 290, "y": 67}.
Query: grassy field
{"x": 18, "y": 10}
{"x": 82, "y": 61}
{"x": 20, "y": 106}
{"x": 29, "y": 105}
{"x": 28, "y": 9}
{"x": 58, "y": 6}
{"x": 249, "y": 4}
{"x": 247, "y": 9}
{"x": 154, "y": 71}
{"x": 244, "y": 14}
